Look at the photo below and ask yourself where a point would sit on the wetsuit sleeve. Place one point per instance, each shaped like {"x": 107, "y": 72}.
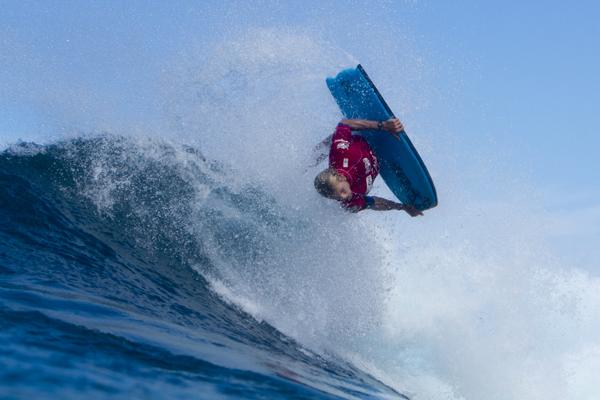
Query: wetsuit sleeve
{"x": 342, "y": 134}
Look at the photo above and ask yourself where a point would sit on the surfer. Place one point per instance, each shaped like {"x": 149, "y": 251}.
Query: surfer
{"x": 353, "y": 167}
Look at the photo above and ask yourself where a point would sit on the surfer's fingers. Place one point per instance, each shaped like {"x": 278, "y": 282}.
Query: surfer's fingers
{"x": 397, "y": 125}
{"x": 413, "y": 211}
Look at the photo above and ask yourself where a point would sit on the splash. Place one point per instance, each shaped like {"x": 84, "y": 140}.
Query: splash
{"x": 466, "y": 303}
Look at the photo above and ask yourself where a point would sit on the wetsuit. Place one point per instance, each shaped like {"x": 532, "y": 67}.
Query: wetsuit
{"x": 351, "y": 156}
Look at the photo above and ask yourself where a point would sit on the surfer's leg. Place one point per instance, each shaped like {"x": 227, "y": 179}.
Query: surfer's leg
{"x": 321, "y": 151}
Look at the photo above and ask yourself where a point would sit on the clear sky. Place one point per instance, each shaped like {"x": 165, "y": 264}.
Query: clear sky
{"x": 523, "y": 74}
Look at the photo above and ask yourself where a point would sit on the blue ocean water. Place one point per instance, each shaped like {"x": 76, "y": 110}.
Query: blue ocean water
{"x": 106, "y": 304}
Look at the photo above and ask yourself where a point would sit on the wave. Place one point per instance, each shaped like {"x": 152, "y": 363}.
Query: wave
{"x": 101, "y": 241}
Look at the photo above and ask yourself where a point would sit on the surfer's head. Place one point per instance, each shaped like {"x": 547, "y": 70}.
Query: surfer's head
{"x": 329, "y": 183}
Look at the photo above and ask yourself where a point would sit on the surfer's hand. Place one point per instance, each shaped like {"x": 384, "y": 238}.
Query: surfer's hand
{"x": 393, "y": 125}
{"x": 410, "y": 210}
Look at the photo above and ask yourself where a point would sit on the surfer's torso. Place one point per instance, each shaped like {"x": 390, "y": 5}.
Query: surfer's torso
{"x": 351, "y": 156}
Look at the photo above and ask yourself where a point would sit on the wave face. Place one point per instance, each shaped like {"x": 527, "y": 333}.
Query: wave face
{"x": 108, "y": 253}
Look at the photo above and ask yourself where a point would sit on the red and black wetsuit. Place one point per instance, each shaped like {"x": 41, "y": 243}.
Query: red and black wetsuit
{"x": 352, "y": 157}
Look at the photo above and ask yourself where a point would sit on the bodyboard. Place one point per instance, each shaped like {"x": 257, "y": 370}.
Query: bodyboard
{"x": 401, "y": 167}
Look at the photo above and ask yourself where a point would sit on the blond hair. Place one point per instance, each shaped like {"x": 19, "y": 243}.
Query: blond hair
{"x": 323, "y": 182}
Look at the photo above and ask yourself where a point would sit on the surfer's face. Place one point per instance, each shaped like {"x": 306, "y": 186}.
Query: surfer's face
{"x": 341, "y": 187}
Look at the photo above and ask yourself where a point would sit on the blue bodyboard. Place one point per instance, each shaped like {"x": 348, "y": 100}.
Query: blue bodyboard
{"x": 401, "y": 167}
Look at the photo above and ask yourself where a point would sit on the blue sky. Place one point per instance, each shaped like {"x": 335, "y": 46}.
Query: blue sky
{"x": 521, "y": 74}
{"x": 536, "y": 77}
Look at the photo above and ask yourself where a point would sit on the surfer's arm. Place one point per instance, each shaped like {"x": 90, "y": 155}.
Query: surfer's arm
{"x": 381, "y": 204}
{"x": 392, "y": 125}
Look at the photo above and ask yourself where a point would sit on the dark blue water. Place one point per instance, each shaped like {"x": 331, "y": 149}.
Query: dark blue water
{"x": 99, "y": 291}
